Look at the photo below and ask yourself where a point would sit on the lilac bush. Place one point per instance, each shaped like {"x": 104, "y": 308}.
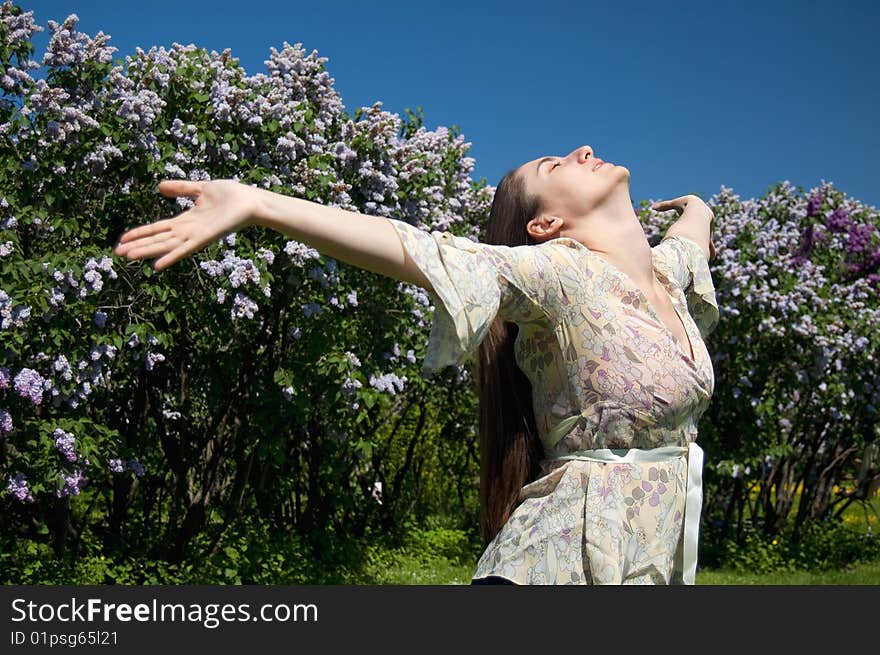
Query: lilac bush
{"x": 241, "y": 363}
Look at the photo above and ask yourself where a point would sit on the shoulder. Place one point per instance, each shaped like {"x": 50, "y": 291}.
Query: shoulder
{"x": 677, "y": 245}
{"x": 561, "y": 249}
{"x": 566, "y": 243}
{"x": 689, "y": 244}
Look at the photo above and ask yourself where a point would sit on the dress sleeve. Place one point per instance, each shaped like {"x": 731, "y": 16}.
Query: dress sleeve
{"x": 683, "y": 261}
{"x": 473, "y": 284}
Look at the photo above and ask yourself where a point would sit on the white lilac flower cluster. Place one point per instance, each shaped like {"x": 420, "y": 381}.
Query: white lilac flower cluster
{"x": 238, "y": 272}
{"x": 12, "y": 317}
{"x": 150, "y": 358}
{"x": 388, "y": 382}
{"x": 351, "y": 384}
{"x": 299, "y": 253}
{"x": 422, "y": 299}
{"x": 92, "y": 282}
{"x": 19, "y": 30}
{"x": 349, "y": 388}
{"x": 31, "y": 384}
{"x": 395, "y": 354}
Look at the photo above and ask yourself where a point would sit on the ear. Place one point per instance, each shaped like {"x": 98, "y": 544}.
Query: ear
{"x": 544, "y": 227}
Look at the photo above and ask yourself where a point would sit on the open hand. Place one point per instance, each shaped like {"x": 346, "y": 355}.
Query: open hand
{"x": 221, "y": 207}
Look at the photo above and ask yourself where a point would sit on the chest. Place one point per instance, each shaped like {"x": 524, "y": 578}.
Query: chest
{"x": 665, "y": 312}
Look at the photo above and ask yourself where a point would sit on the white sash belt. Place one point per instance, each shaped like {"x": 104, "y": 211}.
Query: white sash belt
{"x": 693, "y": 500}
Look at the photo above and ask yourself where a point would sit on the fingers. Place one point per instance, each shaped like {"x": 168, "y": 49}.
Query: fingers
{"x": 176, "y": 188}
{"x": 135, "y": 240}
{"x": 169, "y": 247}
{"x": 675, "y": 203}
{"x": 172, "y": 189}
{"x": 146, "y": 248}
{"x": 172, "y": 257}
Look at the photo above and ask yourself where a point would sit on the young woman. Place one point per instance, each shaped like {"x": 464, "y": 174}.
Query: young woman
{"x": 591, "y": 366}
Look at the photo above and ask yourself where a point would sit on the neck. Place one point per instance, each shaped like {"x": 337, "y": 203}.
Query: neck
{"x": 613, "y": 231}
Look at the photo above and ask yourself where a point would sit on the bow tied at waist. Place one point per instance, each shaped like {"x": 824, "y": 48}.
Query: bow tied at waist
{"x": 614, "y": 424}
{"x": 637, "y": 422}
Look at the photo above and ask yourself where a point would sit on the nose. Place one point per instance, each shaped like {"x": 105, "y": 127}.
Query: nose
{"x": 582, "y": 154}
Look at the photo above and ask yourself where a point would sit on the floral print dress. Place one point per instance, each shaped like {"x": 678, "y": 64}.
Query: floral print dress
{"x": 616, "y": 399}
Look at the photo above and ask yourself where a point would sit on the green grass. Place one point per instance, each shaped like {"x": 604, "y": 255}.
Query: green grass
{"x": 867, "y": 573}
{"x": 427, "y": 562}
{"x": 417, "y": 566}
{"x": 411, "y": 571}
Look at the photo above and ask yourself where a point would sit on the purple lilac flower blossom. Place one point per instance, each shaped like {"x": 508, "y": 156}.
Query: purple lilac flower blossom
{"x": 18, "y": 487}
{"x": 5, "y": 422}
{"x": 152, "y": 359}
{"x": 64, "y": 444}
{"x": 29, "y": 384}
{"x": 72, "y": 483}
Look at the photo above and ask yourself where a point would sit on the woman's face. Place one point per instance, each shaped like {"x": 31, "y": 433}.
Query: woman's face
{"x": 571, "y": 186}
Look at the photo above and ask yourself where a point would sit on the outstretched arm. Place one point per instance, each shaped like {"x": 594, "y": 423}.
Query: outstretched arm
{"x": 368, "y": 242}
{"x": 224, "y": 206}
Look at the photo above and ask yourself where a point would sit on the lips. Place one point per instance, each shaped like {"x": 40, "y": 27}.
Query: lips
{"x": 598, "y": 163}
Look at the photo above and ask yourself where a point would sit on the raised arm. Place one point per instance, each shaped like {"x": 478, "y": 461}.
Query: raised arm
{"x": 224, "y": 206}
{"x": 694, "y": 221}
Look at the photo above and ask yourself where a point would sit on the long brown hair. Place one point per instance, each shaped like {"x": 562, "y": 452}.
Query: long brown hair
{"x": 509, "y": 445}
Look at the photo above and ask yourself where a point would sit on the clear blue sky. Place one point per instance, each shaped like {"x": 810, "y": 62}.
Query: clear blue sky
{"x": 688, "y": 95}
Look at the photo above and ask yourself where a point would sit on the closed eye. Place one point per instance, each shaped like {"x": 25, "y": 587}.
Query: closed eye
{"x": 555, "y": 165}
